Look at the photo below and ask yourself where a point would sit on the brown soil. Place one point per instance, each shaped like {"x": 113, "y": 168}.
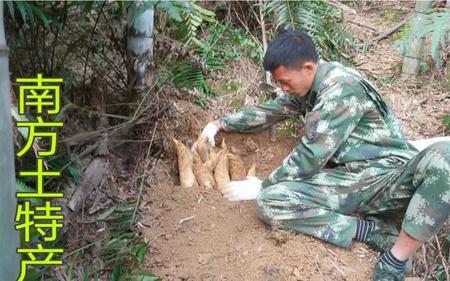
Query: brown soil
{"x": 197, "y": 235}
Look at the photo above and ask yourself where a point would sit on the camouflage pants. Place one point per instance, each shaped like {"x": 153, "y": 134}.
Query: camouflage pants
{"x": 417, "y": 191}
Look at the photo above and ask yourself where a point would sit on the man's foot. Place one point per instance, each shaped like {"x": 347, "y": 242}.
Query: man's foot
{"x": 383, "y": 237}
{"x": 386, "y": 272}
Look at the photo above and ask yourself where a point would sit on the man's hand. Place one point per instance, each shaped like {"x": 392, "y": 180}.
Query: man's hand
{"x": 210, "y": 131}
{"x": 242, "y": 190}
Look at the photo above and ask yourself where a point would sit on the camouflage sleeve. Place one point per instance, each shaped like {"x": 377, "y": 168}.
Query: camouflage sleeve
{"x": 251, "y": 120}
{"x": 339, "y": 108}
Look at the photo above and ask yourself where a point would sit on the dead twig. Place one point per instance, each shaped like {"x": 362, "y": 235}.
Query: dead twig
{"x": 361, "y": 25}
{"x": 78, "y": 250}
{"x": 316, "y": 263}
{"x": 143, "y": 173}
{"x": 246, "y": 28}
{"x": 337, "y": 267}
{"x": 241, "y": 216}
{"x": 424, "y": 256}
{"x": 390, "y": 31}
{"x": 443, "y": 260}
{"x": 186, "y": 219}
{"x": 264, "y": 35}
{"x": 89, "y": 45}
{"x": 330, "y": 251}
{"x": 87, "y": 136}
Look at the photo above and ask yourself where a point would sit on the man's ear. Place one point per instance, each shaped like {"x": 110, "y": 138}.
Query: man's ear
{"x": 309, "y": 66}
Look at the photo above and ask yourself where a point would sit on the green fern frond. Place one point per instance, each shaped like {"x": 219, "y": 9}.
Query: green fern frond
{"x": 30, "y": 11}
{"x": 315, "y": 18}
{"x": 189, "y": 76}
{"x": 439, "y": 26}
{"x": 436, "y": 24}
{"x": 23, "y": 187}
{"x": 194, "y": 16}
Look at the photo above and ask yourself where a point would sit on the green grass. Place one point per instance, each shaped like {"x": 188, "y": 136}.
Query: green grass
{"x": 231, "y": 85}
{"x": 389, "y": 16}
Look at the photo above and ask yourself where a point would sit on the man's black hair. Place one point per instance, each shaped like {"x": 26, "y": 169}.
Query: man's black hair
{"x": 291, "y": 50}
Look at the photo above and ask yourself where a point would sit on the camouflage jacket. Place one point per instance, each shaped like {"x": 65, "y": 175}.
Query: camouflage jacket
{"x": 348, "y": 126}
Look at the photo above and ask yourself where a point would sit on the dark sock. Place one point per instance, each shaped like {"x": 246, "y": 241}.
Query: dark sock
{"x": 388, "y": 258}
{"x": 363, "y": 229}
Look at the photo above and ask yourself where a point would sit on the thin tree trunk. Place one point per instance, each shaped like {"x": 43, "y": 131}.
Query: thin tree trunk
{"x": 448, "y": 66}
{"x": 267, "y": 76}
{"x": 140, "y": 52}
{"x": 414, "y": 55}
{"x": 264, "y": 36}
{"x": 448, "y": 56}
{"x": 9, "y": 238}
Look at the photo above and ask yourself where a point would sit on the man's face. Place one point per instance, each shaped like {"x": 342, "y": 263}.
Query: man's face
{"x": 296, "y": 81}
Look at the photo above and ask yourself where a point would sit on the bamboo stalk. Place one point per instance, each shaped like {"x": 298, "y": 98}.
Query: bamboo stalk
{"x": 414, "y": 55}
{"x": 9, "y": 242}
{"x": 140, "y": 44}
{"x": 448, "y": 66}
{"x": 448, "y": 56}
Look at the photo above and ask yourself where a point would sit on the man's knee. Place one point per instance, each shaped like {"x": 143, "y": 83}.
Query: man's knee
{"x": 281, "y": 200}
{"x": 436, "y": 156}
{"x": 274, "y": 200}
{"x": 441, "y": 147}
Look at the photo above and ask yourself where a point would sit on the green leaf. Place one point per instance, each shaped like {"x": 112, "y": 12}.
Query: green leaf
{"x": 447, "y": 120}
{"x": 173, "y": 10}
{"x": 106, "y": 214}
{"x": 10, "y": 8}
{"x": 86, "y": 274}
{"x": 123, "y": 235}
{"x": 436, "y": 25}
{"x": 122, "y": 6}
{"x": 140, "y": 250}
{"x": 204, "y": 12}
{"x": 40, "y": 14}
{"x": 30, "y": 14}
{"x": 125, "y": 208}
{"x": 34, "y": 273}
{"x": 125, "y": 218}
{"x": 199, "y": 43}
{"x": 200, "y": 102}
{"x": 74, "y": 173}
{"x": 22, "y": 187}
{"x": 22, "y": 10}
{"x": 117, "y": 273}
{"x": 144, "y": 276}
{"x": 315, "y": 18}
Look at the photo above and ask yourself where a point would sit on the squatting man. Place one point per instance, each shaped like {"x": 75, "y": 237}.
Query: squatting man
{"x": 352, "y": 159}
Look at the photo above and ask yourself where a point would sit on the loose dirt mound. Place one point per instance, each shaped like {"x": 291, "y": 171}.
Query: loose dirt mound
{"x": 197, "y": 235}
